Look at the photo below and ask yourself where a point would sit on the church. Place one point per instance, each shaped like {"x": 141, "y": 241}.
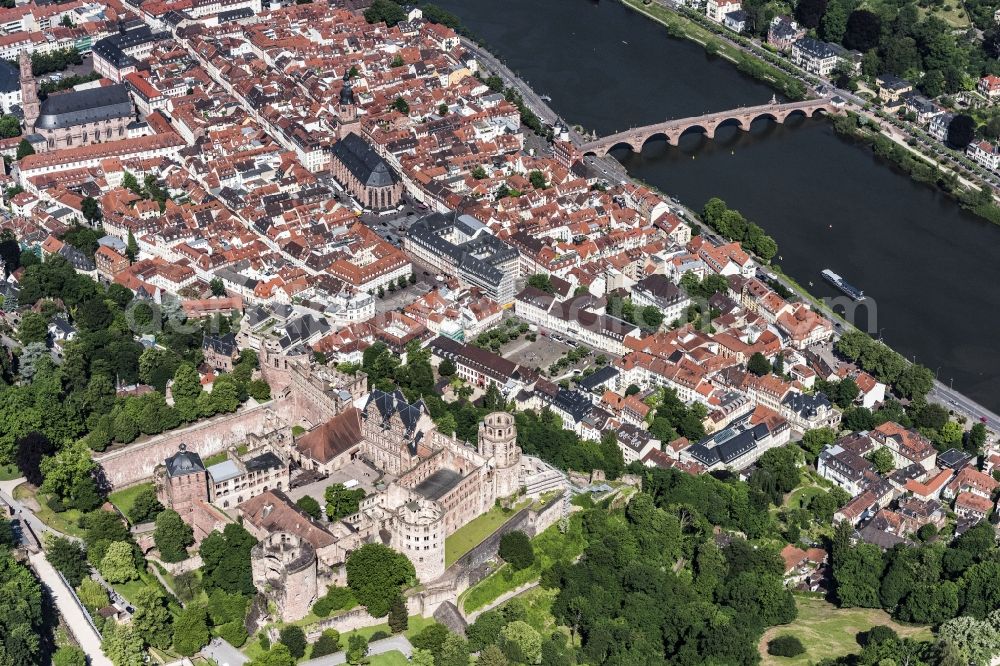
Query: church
{"x": 74, "y": 118}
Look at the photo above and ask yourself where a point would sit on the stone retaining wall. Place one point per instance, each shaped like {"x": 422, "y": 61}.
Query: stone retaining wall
{"x": 134, "y": 463}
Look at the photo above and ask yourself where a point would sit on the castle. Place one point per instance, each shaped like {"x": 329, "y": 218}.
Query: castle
{"x": 441, "y": 483}
{"x": 434, "y": 484}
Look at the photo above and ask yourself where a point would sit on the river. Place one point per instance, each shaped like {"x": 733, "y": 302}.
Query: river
{"x": 926, "y": 265}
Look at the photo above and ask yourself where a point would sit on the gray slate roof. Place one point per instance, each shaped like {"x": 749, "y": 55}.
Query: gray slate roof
{"x": 363, "y": 162}
{"x": 184, "y": 462}
{"x": 85, "y": 106}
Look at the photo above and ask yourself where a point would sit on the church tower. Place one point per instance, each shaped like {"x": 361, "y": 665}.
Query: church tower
{"x": 29, "y": 94}
{"x": 347, "y": 112}
{"x": 498, "y": 443}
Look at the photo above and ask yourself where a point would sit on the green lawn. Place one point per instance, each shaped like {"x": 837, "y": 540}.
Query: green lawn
{"x": 800, "y": 497}
{"x": 394, "y": 658}
{"x": 550, "y": 546}
{"x": 8, "y": 472}
{"x": 124, "y": 499}
{"x": 253, "y": 650}
{"x": 827, "y": 631}
{"x": 472, "y": 533}
{"x": 215, "y": 459}
{"x": 66, "y": 522}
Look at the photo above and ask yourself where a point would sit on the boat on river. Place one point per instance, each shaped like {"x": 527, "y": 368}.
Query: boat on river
{"x": 843, "y": 285}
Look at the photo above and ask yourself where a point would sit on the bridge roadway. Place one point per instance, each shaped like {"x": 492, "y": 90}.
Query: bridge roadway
{"x": 672, "y": 130}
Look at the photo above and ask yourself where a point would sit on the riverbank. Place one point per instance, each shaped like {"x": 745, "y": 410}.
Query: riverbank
{"x": 920, "y": 169}
{"x": 680, "y": 26}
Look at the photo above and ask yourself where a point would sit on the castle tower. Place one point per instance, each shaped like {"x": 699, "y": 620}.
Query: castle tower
{"x": 29, "y": 94}
{"x": 498, "y": 442}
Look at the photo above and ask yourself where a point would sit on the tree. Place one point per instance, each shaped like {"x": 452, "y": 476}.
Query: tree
{"x": 814, "y": 441}
{"x": 294, "y": 639}
{"x": 185, "y": 390}
{"x": 485, "y": 630}
{"x": 152, "y": 619}
{"x": 172, "y": 536}
{"x": 399, "y": 620}
{"x": 785, "y": 645}
{"x": 91, "y": 210}
{"x": 69, "y": 558}
{"x": 30, "y": 451}
{"x": 863, "y": 30}
{"x": 521, "y": 643}
{"x": 516, "y": 550}
{"x": 810, "y": 12}
{"x": 882, "y": 459}
{"x": 310, "y": 506}
{"x": 33, "y": 328}
{"x": 225, "y": 396}
{"x": 190, "y": 630}
{"x": 341, "y": 501}
{"x": 758, "y": 365}
{"x": 375, "y": 574}
{"x": 834, "y": 22}
{"x": 357, "y": 648}
{"x": 84, "y": 495}
{"x": 131, "y": 183}
{"x": 226, "y": 558}
{"x": 327, "y": 643}
{"x": 857, "y": 573}
{"x": 277, "y": 655}
{"x": 537, "y": 180}
{"x": 494, "y": 656}
{"x": 145, "y": 506}
{"x": 69, "y": 656}
{"x": 400, "y": 104}
{"x": 975, "y": 640}
{"x": 446, "y": 368}
{"x": 217, "y": 287}
{"x": 541, "y": 281}
{"x": 131, "y": 247}
{"x": 431, "y": 638}
{"x": 479, "y": 173}
{"x": 961, "y": 131}
{"x": 122, "y": 644}
{"x": 651, "y": 317}
{"x": 454, "y": 652}
{"x": 62, "y": 470}
{"x": 118, "y": 563}
{"x": 976, "y": 438}
{"x": 385, "y": 11}
{"x": 24, "y": 149}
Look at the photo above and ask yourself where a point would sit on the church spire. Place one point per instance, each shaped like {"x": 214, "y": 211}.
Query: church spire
{"x": 29, "y": 94}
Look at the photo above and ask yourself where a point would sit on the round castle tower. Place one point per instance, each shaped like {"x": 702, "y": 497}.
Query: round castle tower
{"x": 498, "y": 444}
{"x": 284, "y": 569}
{"x": 419, "y": 534}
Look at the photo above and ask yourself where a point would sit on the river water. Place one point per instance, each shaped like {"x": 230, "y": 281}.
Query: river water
{"x": 930, "y": 269}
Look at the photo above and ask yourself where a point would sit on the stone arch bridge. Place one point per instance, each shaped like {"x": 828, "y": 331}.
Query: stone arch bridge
{"x": 672, "y": 130}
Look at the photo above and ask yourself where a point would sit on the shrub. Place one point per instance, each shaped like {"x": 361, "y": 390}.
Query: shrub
{"x": 377, "y": 636}
{"x": 327, "y": 643}
{"x": 785, "y": 646}
{"x": 879, "y": 634}
{"x": 516, "y": 550}
{"x": 234, "y": 632}
{"x": 294, "y": 639}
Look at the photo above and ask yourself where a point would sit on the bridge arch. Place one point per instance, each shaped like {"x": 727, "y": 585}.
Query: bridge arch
{"x": 733, "y": 121}
{"x": 707, "y": 129}
{"x": 769, "y": 115}
{"x": 656, "y": 136}
{"x": 623, "y": 143}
